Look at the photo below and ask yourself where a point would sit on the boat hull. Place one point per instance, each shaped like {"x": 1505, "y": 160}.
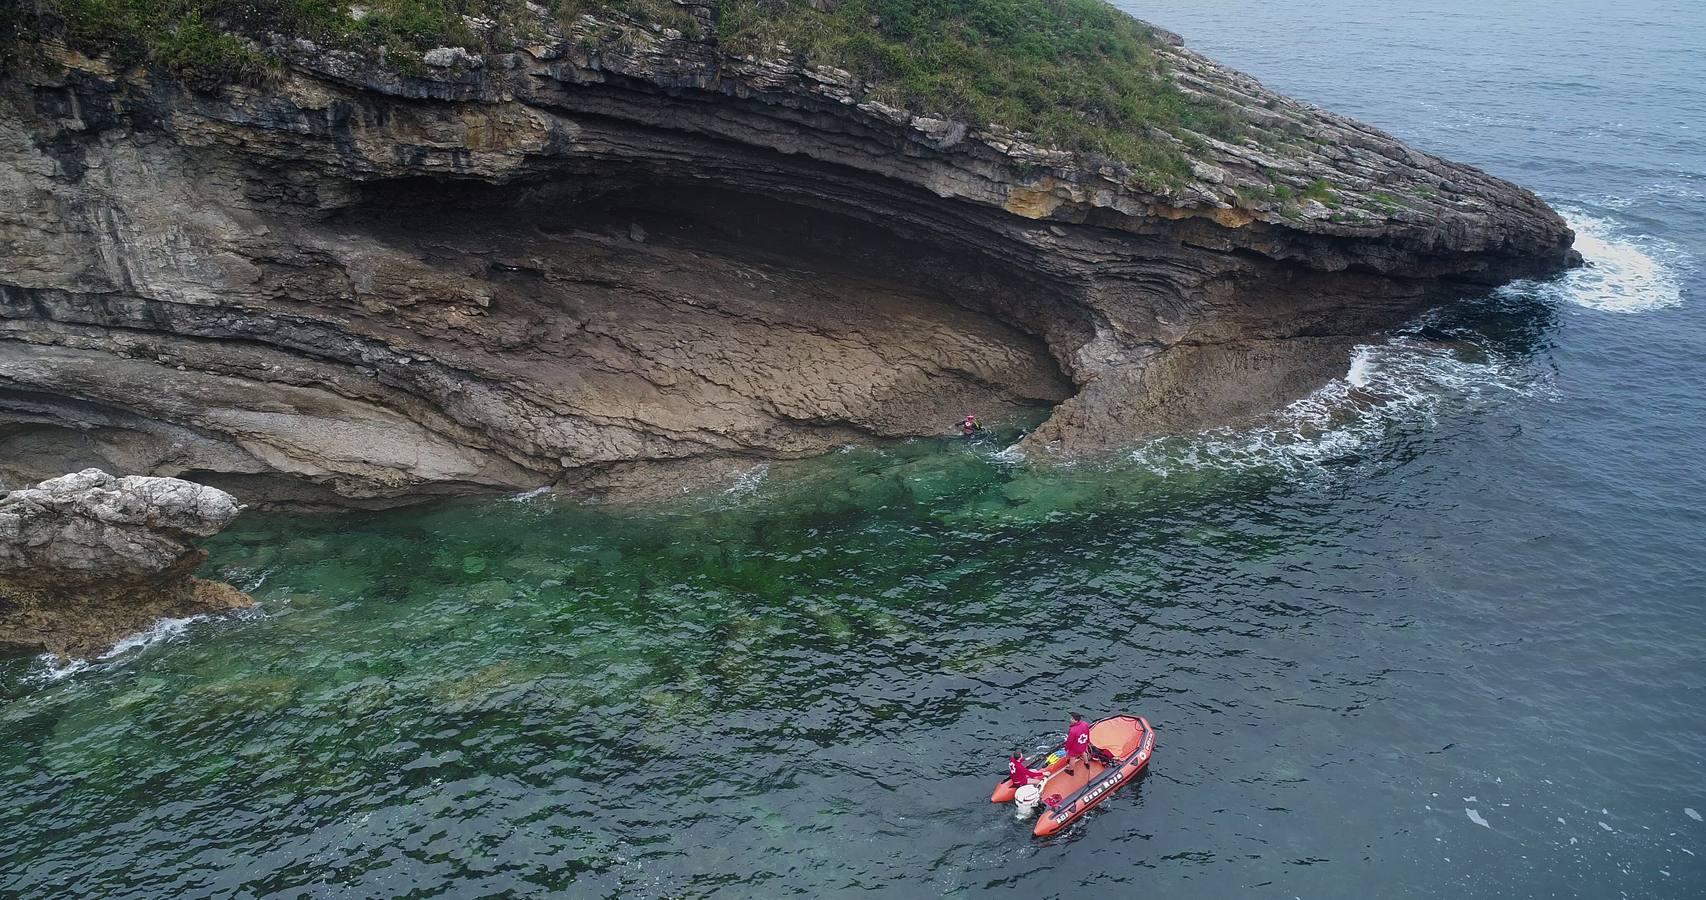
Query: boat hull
{"x": 1132, "y": 752}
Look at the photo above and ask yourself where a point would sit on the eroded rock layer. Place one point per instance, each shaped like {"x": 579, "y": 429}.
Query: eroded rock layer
{"x": 88, "y": 558}
{"x": 548, "y": 265}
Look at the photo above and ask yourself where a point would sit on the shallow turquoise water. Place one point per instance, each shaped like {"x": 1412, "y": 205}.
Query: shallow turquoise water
{"x": 1461, "y": 585}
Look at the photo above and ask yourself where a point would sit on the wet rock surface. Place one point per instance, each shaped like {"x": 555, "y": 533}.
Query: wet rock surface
{"x": 88, "y": 558}
{"x": 355, "y": 286}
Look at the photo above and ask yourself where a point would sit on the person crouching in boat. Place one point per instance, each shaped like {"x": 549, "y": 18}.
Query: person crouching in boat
{"x": 1019, "y": 774}
{"x": 1078, "y": 746}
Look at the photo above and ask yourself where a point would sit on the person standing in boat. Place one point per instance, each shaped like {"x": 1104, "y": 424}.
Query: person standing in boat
{"x": 1078, "y": 746}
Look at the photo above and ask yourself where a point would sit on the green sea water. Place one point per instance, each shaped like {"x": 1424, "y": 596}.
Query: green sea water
{"x": 1435, "y": 631}
{"x": 570, "y": 693}
{"x": 1351, "y": 626}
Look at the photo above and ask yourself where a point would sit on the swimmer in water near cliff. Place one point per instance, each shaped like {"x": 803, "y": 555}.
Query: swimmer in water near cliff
{"x": 970, "y": 427}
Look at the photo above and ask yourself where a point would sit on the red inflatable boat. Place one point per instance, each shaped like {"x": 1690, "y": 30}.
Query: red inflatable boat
{"x": 1071, "y": 791}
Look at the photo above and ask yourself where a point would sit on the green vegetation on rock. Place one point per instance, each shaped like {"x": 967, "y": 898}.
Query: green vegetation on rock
{"x": 1321, "y": 191}
{"x": 1076, "y": 74}
{"x": 1384, "y": 202}
{"x": 208, "y": 41}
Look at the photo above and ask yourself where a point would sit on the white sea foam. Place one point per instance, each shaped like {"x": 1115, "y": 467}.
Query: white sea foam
{"x": 160, "y": 632}
{"x": 1405, "y": 381}
{"x": 1625, "y": 272}
{"x": 1009, "y": 455}
{"x": 1689, "y": 812}
{"x": 748, "y": 480}
{"x": 525, "y": 496}
{"x": 1476, "y": 818}
{"x": 52, "y": 669}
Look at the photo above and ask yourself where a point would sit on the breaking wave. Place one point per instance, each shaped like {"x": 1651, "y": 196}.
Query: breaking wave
{"x": 51, "y": 668}
{"x": 1624, "y": 273}
{"x": 1402, "y": 384}
{"x": 160, "y": 632}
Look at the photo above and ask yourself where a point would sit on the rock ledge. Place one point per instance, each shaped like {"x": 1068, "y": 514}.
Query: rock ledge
{"x": 550, "y": 264}
{"x": 88, "y": 558}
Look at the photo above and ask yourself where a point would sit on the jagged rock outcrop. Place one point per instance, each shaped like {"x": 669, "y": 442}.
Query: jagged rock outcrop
{"x": 550, "y": 264}
{"x": 88, "y": 558}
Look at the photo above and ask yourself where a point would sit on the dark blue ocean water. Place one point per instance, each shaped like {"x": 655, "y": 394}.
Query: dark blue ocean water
{"x": 1435, "y": 632}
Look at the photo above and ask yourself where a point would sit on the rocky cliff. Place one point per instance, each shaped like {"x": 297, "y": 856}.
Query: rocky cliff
{"x": 87, "y": 558}
{"x": 558, "y": 260}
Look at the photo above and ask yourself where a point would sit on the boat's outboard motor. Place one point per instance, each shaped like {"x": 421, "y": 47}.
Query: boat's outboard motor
{"x": 1026, "y": 800}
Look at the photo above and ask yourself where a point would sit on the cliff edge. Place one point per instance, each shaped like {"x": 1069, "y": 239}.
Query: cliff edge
{"x": 582, "y": 239}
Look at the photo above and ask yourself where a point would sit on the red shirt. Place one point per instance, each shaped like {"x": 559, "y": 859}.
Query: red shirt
{"x": 1078, "y": 738}
{"x": 1021, "y": 775}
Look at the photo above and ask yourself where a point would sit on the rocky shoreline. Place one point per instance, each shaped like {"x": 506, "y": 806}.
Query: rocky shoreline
{"x": 550, "y": 265}
{"x": 88, "y": 558}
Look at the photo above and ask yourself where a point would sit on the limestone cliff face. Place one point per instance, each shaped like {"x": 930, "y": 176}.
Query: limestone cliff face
{"x": 87, "y": 558}
{"x": 549, "y": 265}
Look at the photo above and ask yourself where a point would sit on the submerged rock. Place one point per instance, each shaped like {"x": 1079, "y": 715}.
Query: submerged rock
{"x": 88, "y": 558}
{"x": 628, "y": 244}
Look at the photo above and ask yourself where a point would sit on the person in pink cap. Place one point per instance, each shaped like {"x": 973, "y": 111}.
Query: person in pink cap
{"x": 970, "y": 427}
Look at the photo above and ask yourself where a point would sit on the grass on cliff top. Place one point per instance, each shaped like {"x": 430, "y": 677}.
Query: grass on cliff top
{"x": 208, "y": 42}
{"x": 204, "y": 40}
{"x": 1078, "y": 74}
